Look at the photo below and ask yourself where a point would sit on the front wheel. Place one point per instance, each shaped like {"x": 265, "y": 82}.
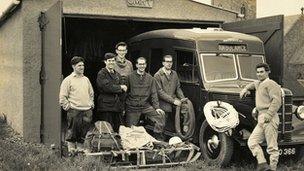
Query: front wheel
{"x": 300, "y": 153}
{"x": 217, "y": 148}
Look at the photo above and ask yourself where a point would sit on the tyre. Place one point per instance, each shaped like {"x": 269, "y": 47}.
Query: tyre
{"x": 190, "y": 121}
{"x": 216, "y": 148}
{"x": 300, "y": 153}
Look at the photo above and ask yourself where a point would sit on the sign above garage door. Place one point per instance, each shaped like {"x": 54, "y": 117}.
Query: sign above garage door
{"x": 140, "y": 3}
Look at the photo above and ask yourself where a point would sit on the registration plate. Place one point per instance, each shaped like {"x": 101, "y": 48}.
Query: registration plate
{"x": 287, "y": 151}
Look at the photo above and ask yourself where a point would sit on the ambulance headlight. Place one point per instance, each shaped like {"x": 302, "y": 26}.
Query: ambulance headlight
{"x": 300, "y": 112}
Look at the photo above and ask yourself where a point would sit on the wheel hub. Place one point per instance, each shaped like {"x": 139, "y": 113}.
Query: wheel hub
{"x": 213, "y": 143}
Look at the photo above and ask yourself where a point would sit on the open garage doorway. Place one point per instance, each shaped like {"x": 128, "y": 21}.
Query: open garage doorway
{"x": 92, "y": 38}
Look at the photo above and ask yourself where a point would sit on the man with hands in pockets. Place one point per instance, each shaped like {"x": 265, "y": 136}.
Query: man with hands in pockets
{"x": 76, "y": 96}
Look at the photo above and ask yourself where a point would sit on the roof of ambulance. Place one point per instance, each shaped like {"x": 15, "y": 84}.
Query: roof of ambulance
{"x": 194, "y": 34}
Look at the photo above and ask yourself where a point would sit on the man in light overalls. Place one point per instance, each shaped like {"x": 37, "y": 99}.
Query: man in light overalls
{"x": 268, "y": 102}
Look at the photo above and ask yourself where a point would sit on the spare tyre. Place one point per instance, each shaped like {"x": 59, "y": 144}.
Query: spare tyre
{"x": 188, "y": 119}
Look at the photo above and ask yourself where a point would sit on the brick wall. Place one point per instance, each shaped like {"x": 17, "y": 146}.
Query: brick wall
{"x": 235, "y": 5}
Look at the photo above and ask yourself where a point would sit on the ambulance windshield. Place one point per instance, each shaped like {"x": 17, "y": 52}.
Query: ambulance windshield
{"x": 219, "y": 67}
{"x": 247, "y": 65}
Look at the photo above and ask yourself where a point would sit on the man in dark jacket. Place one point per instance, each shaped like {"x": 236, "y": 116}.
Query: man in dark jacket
{"x": 169, "y": 91}
{"x": 142, "y": 99}
{"x": 110, "y": 88}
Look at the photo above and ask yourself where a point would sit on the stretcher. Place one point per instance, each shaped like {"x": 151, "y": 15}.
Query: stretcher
{"x": 144, "y": 158}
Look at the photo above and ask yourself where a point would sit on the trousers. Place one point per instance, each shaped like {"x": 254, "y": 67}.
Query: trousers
{"x": 269, "y": 132}
{"x": 132, "y": 118}
{"x": 79, "y": 122}
{"x": 114, "y": 118}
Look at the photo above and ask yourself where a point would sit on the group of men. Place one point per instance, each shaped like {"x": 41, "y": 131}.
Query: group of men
{"x": 124, "y": 95}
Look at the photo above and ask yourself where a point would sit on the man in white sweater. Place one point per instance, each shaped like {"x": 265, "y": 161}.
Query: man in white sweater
{"x": 268, "y": 102}
{"x": 77, "y": 98}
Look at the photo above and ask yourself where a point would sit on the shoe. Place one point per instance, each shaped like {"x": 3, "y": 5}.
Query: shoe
{"x": 71, "y": 147}
{"x": 86, "y": 151}
{"x": 80, "y": 147}
{"x": 263, "y": 167}
{"x": 273, "y": 168}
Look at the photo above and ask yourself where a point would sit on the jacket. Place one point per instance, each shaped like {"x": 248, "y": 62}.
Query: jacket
{"x": 142, "y": 92}
{"x": 108, "y": 85}
{"x": 168, "y": 88}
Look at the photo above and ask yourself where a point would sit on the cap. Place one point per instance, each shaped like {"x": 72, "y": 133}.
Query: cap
{"x": 109, "y": 56}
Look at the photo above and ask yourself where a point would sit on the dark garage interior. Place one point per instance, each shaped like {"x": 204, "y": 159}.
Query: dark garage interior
{"x": 92, "y": 38}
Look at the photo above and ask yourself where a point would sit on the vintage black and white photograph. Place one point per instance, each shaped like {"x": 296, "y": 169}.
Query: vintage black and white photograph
{"x": 152, "y": 85}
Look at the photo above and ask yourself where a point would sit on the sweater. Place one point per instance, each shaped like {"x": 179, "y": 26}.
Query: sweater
{"x": 268, "y": 96}
{"x": 76, "y": 92}
{"x": 123, "y": 68}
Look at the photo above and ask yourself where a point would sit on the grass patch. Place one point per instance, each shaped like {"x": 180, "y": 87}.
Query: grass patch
{"x": 15, "y": 154}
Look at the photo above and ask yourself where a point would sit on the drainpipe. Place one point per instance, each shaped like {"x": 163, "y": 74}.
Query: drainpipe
{"x": 42, "y": 20}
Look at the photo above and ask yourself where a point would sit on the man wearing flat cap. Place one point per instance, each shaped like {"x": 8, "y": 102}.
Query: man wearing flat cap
{"x": 110, "y": 88}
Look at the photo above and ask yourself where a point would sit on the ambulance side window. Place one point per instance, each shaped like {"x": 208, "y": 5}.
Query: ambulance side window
{"x": 156, "y": 56}
{"x": 186, "y": 66}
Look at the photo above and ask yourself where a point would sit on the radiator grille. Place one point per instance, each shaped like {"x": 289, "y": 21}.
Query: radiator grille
{"x": 285, "y": 114}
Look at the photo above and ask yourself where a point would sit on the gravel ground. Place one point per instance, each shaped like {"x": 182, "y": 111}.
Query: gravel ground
{"x": 15, "y": 154}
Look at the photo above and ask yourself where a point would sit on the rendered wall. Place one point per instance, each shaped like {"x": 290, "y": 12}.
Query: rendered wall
{"x": 162, "y": 9}
{"x": 11, "y": 71}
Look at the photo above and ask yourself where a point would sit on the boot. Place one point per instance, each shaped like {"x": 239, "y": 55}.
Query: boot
{"x": 71, "y": 147}
{"x": 263, "y": 167}
{"x": 80, "y": 147}
{"x": 273, "y": 167}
